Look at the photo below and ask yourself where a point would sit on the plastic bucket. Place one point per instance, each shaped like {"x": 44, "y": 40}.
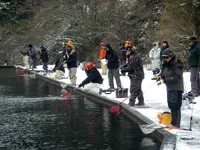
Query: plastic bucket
{"x": 166, "y": 118}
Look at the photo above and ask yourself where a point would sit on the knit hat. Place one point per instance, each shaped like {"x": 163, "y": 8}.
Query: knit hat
{"x": 128, "y": 44}
{"x": 70, "y": 43}
{"x": 107, "y": 47}
{"x": 167, "y": 53}
{"x": 165, "y": 42}
{"x": 192, "y": 39}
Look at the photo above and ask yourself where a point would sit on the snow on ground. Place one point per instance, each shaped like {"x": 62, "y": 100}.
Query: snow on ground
{"x": 156, "y": 101}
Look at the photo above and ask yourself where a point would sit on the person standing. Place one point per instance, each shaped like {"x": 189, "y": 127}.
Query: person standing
{"x": 33, "y": 55}
{"x": 172, "y": 76}
{"x": 136, "y": 76}
{"x": 193, "y": 63}
{"x": 113, "y": 66}
{"x": 71, "y": 61}
{"x": 122, "y": 55}
{"x": 102, "y": 55}
{"x": 45, "y": 59}
{"x": 154, "y": 55}
{"x": 25, "y": 54}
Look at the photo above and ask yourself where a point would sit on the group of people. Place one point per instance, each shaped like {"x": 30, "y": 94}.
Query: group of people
{"x": 166, "y": 67}
{"x": 29, "y": 51}
{"x": 172, "y": 75}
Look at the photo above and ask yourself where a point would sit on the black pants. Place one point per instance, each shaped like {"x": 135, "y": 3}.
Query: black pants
{"x": 174, "y": 100}
{"x": 136, "y": 88}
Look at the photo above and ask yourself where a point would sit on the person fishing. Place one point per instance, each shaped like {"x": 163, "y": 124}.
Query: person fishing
{"x": 93, "y": 77}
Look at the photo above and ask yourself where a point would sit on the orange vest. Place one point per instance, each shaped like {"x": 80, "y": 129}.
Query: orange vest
{"x": 102, "y": 53}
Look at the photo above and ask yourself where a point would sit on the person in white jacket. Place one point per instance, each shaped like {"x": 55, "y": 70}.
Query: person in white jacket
{"x": 154, "y": 55}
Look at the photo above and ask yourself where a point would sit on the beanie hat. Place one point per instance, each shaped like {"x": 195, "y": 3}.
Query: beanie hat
{"x": 70, "y": 43}
{"x": 41, "y": 46}
{"x": 165, "y": 42}
{"x": 193, "y": 39}
{"x": 107, "y": 47}
{"x": 167, "y": 53}
{"x": 128, "y": 44}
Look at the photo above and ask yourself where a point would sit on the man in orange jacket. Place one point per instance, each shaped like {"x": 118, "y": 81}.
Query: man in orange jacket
{"x": 103, "y": 60}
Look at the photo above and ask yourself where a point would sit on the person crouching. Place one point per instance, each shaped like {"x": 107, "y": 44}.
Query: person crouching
{"x": 93, "y": 76}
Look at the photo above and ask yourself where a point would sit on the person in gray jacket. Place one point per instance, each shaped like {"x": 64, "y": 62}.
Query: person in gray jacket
{"x": 136, "y": 75}
{"x": 154, "y": 55}
{"x": 25, "y": 53}
{"x": 194, "y": 64}
{"x": 172, "y": 76}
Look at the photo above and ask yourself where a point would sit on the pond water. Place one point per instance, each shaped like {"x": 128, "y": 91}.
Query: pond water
{"x": 33, "y": 116}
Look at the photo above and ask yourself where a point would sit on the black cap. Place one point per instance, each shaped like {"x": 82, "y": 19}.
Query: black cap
{"x": 107, "y": 47}
{"x": 192, "y": 39}
{"x": 167, "y": 53}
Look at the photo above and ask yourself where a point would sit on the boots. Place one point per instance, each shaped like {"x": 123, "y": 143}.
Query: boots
{"x": 140, "y": 103}
{"x": 176, "y": 118}
{"x": 132, "y": 101}
{"x": 141, "y": 100}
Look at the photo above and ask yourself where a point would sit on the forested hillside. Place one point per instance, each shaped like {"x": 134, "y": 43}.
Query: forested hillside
{"x": 89, "y": 22}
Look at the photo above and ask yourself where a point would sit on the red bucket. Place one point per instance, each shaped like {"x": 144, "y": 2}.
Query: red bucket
{"x": 21, "y": 71}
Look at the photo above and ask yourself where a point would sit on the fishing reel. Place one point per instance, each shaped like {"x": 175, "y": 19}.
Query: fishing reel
{"x": 188, "y": 96}
{"x": 159, "y": 82}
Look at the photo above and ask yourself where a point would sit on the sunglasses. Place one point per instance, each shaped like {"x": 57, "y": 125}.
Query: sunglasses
{"x": 166, "y": 57}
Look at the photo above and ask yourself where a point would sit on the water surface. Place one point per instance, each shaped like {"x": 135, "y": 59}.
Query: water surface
{"x": 33, "y": 116}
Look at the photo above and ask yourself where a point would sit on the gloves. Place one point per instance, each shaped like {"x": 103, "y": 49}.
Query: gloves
{"x": 159, "y": 78}
{"x": 81, "y": 85}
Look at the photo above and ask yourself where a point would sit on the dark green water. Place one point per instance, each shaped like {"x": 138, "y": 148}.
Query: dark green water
{"x": 33, "y": 116}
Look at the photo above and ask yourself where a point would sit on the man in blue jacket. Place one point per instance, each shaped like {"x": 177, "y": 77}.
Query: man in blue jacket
{"x": 71, "y": 61}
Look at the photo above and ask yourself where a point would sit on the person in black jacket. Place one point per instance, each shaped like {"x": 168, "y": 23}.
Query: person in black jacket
{"x": 93, "y": 75}
{"x": 172, "y": 76}
{"x": 164, "y": 46}
{"x": 113, "y": 66}
{"x": 136, "y": 75}
{"x": 33, "y": 55}
{"x": 45, "y": 58}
